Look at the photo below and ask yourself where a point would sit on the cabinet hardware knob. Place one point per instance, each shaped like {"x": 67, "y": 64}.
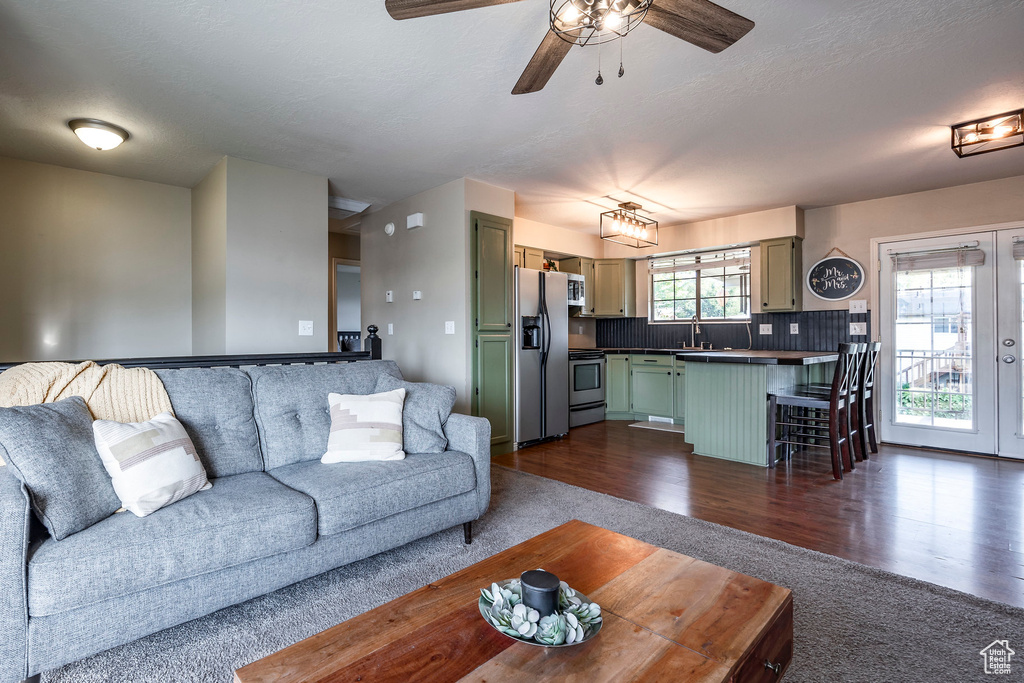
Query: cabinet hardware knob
{"x": 765, "y": 303}
{"x": 508, "y": 324}
{"x": 774, "y": 668}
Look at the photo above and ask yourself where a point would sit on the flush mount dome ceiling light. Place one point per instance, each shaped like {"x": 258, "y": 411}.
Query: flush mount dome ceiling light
{"x": 988, "y": 134}
{"x": 98, "y": 134}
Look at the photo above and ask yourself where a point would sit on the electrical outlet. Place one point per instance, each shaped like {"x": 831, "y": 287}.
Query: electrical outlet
{"x": 858, "y": 329}
{"x": 417, "y": 295}
{"x": 449, "y": 327}
{"x": 764, "y": 328}
{"x": 794, "y": 328}
{"x": 391, "y": 328}
{"x": 858, "y": 305}
{"x": 389, "y": 296}
{"x": 305, "y": 328}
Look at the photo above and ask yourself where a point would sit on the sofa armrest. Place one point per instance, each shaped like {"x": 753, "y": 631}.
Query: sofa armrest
{"x": 472, "y": 435}
{"x": 15, "y": 515}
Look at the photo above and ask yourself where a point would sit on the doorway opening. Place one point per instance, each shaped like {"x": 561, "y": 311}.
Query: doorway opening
{"x": 346, "y": 289}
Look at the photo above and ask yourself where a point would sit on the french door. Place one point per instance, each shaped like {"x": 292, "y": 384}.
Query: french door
{"x": 951, "y": 324}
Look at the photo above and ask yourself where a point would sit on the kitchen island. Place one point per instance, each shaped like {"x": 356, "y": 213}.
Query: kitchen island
{"x": 727, "y": 397}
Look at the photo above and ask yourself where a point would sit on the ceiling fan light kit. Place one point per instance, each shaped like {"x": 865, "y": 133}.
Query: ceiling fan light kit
{"x": 593, "y": 22}
{"x": 989, "y": 134}
{"x": 625, "y": 225}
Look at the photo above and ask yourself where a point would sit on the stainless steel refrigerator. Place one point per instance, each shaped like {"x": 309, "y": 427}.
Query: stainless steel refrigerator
{"x": 542, "y": 355}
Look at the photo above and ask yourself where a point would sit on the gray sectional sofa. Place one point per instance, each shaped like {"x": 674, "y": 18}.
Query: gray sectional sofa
{"x": 274, "y": 516}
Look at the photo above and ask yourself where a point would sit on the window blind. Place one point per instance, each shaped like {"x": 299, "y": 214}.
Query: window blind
{"x": 1018, "y": 251}
{"x": 944, "y": 258}
{"x": 681, "y": 264}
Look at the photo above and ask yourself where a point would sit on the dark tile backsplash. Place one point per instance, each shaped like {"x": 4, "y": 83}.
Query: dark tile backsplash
{"x": 819, "y": 331}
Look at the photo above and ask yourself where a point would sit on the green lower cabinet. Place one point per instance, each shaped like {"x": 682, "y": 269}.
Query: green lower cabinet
{"x": 653, "y": 390}
{"x": 617, "y": 393}
{"x": 679, "y": 416}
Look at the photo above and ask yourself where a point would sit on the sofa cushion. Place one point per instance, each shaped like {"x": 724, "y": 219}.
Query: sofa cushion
{"x": 349, "y": 495}
{"x": 427, "y": 407}
{"x": 152, "y": 464}
{"x": 365, "y": 427}
{"x": 291, "y": 404}
{"x": 49, "y": 447}
{"x": 242, "y": 518}
{"x": 215, "y": 406}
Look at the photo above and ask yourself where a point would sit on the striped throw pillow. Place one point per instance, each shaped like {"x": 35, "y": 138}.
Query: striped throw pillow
{"x": 151, "y": 464}
{"x": 365, "y": 427}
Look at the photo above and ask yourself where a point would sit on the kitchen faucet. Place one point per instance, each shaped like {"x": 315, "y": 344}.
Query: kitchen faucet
{"x": 694, "y": 329}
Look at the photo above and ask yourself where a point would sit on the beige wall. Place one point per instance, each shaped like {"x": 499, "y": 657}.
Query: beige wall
{"x": 276, "y": 241}
{"x": 852, "y": 226}
{"x": 553, "y": 238}
{"x": 435, "y": 260}
{"x": 209, "y": 253}
{"x": 92, "y": 265}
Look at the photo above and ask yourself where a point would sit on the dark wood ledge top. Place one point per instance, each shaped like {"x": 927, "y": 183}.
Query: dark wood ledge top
{"x": 761, "y": 357}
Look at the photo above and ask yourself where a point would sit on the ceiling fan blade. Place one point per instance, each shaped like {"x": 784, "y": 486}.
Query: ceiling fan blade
{"x": 700, "y": 22}
{"x": 410, "y": 9}
{"x": 545, "y": 60}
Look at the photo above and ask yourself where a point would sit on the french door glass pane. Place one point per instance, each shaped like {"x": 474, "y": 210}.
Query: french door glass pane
{"x": 934, "y": 337}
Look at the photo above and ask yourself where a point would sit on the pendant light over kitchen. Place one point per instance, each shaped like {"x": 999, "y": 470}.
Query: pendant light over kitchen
{"x": 625, "y": 225}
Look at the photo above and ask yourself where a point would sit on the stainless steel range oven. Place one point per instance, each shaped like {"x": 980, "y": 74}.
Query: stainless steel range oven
{"x": 586, "y": 386}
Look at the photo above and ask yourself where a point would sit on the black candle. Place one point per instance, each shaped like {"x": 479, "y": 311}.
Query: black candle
{"x": 540, "y": 591}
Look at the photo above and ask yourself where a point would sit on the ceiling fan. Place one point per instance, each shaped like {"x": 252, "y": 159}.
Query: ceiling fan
{"x": 583, "y": 22}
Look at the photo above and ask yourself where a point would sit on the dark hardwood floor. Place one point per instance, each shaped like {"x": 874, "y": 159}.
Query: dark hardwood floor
{"x": 954, "y": 520}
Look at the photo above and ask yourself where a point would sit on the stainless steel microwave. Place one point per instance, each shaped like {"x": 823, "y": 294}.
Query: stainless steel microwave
{"x": 577, "y": 293}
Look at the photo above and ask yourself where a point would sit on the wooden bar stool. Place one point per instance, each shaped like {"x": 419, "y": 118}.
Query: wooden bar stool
{"x": 816, "y": 415}
{"x": 865, "y": 399}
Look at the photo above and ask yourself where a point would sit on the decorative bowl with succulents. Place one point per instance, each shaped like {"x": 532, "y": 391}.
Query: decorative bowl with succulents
{"x": 576, "y": 621}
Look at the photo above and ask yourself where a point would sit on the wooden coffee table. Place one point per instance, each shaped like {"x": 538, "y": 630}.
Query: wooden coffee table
{"x": 666, "y": 617}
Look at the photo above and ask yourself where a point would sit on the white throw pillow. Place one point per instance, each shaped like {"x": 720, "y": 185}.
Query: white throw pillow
{"x": 152, "y": 464}
{"x": 365, "y": 427}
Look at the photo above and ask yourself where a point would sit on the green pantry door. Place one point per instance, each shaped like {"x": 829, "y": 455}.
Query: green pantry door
{"x": 492, "y": 326}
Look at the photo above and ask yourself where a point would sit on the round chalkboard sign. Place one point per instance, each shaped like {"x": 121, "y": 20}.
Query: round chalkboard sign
{"x": 834, "y": 278}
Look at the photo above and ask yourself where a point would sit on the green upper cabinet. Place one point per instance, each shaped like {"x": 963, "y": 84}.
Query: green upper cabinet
{"x": 679, "y": 413}
{"x": 492, "y": 273}
{"x": 653, "y": 386}
{"x": 781, "y": 274}
{"x": 614, "y": 288}
{"x": 584, "y": 267}
{"x": 617, "y": 394}
{"x": 533, "y": 258}
{"x": 520, "y": 256}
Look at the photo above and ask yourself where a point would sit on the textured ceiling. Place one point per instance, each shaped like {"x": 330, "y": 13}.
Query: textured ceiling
{"x": 822, "y": 103}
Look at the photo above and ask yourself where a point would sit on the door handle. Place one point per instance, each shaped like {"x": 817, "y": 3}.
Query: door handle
{"x": 1008, "y": 358}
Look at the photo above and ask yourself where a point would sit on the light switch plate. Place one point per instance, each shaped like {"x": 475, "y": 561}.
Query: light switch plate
{"x": 858, "y": 305}
{"x": 449, "y": 327}
{"x": 417, "y": 295}
{"x": 389, "y": 296}
{"x": 391, "y": 328}
{"x": 858, "y": 329}
{"x": 794, "y": 328}
{"x": 305, "y": 328}
{"x": 764, "y": 328}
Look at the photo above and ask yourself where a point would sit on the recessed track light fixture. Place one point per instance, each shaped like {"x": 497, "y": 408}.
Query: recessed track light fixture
{"x": 98, "y": 134}
{"x": 989, "y": 134}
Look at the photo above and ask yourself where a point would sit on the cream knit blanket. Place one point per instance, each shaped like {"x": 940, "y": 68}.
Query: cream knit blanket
{"x": 111, "y": 391}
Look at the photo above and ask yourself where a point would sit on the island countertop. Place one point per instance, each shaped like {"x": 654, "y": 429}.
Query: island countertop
{"x": 761, "y": 357}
